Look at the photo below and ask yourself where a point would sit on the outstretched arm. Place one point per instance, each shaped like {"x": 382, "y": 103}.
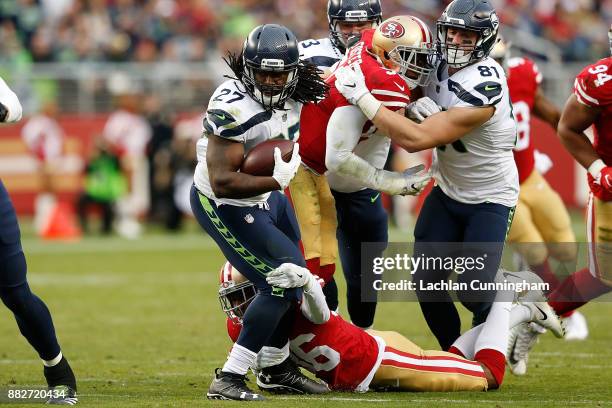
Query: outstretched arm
{"x": 575, "y": 119}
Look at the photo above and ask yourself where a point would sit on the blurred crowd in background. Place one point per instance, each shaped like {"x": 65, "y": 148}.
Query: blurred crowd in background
{"x": 191, "y": 30}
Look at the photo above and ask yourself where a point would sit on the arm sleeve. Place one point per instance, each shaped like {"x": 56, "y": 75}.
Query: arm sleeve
{"x": 10, "y": 102}
{"x": 314, "y": 307}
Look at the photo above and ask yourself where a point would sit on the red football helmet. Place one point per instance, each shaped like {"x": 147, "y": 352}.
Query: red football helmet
{"x": 235, "y": 293}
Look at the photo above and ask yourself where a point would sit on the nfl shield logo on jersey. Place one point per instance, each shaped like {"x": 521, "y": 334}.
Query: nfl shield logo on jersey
{"x": 249, "y": 218}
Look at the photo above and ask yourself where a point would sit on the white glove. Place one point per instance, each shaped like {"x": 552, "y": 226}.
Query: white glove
{"x": 421, "y": 109}
{"x": 290, "y": 275}
{"x": 285, "y": 171}
{"x": 409, "y": 182}
{"x": 543, "y": 162}
{"x": 351, "y": 83}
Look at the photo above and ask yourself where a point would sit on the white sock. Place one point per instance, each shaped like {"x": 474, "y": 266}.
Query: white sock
{"x": 53, "y": 362}
{"x": 494, "y": 334}
{"x": 466, "y": 342}
{"x": 239, "y": 360}
{"x": 519, "y": 314}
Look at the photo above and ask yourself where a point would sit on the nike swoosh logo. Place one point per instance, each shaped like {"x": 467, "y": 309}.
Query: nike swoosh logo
{"x": 351, "y": 85}
{"x": 298, "y": 275}
{"x": 399, "y": 86}
{"x": 544, "y": 316}
{"x": 490, "y": 88}
{"x": 222, "y": 117}
{"x": 506, "y": 274}
{"x": 372, "y": 199}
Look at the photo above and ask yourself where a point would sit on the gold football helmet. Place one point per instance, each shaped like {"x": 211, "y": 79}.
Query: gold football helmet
{"x": 405, "y": 44}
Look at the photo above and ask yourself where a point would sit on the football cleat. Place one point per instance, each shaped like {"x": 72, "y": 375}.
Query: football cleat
{"x": 522, "y": 339}
{"x": 286, "y": 378}
{"x": 576, "y": 327}
{"x": 62, "y": 395}
{"x": 543, "y": 315}
{"x": 230, "y": 386}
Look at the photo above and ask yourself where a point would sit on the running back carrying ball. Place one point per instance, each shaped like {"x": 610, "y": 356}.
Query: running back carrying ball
{"x": 259, "y": 161}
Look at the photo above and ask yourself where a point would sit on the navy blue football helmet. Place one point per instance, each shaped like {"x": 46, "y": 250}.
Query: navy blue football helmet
{"x": 351, "y": 11}
{"x": 473, "y": 15}
{"x": 270, "y": 49}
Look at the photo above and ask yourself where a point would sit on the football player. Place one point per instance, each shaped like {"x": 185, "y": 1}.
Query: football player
{"x": 336, "y": 136}
{"x": 541, "y": 222}
{"x": 31, "y": 313}
{"x": 477, "y": 181}
{"x": 347, "y": 20}
{"x": 348, "y": 358}
{"x": 237, "y": 209}
{"x": 589, "y": 105}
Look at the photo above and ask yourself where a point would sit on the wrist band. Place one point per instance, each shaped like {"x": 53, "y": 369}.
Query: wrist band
{"x": 369, "y": 105}
{"x": 596, "y": 167}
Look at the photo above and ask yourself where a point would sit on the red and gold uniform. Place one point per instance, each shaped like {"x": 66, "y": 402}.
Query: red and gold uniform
{"x": 541, "y": 217}
{"x": 310, "y": 193}
{"x": 593, "y": 88}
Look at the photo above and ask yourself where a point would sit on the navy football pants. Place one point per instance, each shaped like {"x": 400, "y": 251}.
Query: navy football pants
{"x": 31, "y": 314}
{"x": 256, "y": 241}
{"x": 361, "y": 218}
{"x": 441, "y": 220}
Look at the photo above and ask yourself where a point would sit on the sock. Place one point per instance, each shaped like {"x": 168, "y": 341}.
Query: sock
{"x": 494, "y": 334}
{"x": 330, "y": 290}
{"x": 314, "y": 265}
{"x": 495, "y": 362}
{"x": 53, "y": 362}
{"x": 466, "y": 342}
{"x": 547, "y": 275}
{"x": 519, "y": 314}
{"x": 576, "y": 290}
{"x": 60, "y": 374}
{"x": 239, "y": 360}
{"x": 326, "y": 272}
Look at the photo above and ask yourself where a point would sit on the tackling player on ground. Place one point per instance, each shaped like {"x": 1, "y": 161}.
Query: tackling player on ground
{"x": 336, "y": 136}
{"x": 348, "y": 358}
{"x": 589, "y": 105}
{"x": 474, "y": 169}
{"x": 237, "y": 209}
{"x": 31, "y": 313}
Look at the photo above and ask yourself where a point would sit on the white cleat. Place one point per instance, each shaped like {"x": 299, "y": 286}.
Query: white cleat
{"x": 523, "y": 278}
{"x": 576, "y": 327}
{"x": 522, "y": 339}
{"x": 543, "y": 315}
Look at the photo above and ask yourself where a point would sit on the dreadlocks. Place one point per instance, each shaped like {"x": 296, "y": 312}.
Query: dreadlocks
{"x": 310, "y": 87}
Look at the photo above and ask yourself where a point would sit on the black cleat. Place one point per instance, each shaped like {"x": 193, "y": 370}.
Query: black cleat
{"x": 62, "y": 383}
{"x": 286, "y": 378}
{"x": 230, "y": 386}
{"x": 62, "y": 395}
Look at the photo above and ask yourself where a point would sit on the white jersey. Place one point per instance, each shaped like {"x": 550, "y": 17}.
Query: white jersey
{"x": 480, "y": 166}
{"x": 322, "y": 53}
{"x": 233, "y": 115}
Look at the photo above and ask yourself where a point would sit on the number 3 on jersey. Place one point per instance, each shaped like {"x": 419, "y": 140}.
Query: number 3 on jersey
{"x": 313, "y": 357}
{"x": 522, "y": 116}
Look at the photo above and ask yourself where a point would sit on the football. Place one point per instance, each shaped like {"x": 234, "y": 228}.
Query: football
{"x": 259, "y": 161}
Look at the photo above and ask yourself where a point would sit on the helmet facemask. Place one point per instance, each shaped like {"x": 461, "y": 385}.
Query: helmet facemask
{"x": 415, "y": 63}
{"x": 271, "y": 96}
{"x": 459, "y": 56}
{"x": 235, "y": 298}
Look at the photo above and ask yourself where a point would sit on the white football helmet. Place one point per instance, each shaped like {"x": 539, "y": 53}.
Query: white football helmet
{"x": 406, "y": 43}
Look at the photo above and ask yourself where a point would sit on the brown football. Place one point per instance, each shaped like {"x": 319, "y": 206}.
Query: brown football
{"x": 259, "y": 161}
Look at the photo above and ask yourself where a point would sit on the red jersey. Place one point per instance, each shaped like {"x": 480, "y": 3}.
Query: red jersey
{"x": 523, "y": 81}
{"x": 339, "y": 353}
{"x": 593, "y": 87}
{"x": 387, "y": 86}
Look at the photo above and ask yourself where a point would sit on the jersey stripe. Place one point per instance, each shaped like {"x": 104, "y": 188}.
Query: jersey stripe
{"x": 243, "y": 128}
{"x": 463, "y": 94}
{"x": 322, "y": 61}
{"x": 390, "y": 93}
{"x": 396, "y": 104}
{"x": 582, "y": 94}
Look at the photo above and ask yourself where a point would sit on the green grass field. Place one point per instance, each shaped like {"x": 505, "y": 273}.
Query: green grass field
{"x": 141, "y": 325}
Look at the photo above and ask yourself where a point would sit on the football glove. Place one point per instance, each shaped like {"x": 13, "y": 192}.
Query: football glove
{"x": 290, "y": 275}
{"x": 409, "y": 182}
{"x": 351, "y": 83}
{"x": 421, "y": 109}
{"x": 285, "y": 171}
{"x": 602, "y": 175}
